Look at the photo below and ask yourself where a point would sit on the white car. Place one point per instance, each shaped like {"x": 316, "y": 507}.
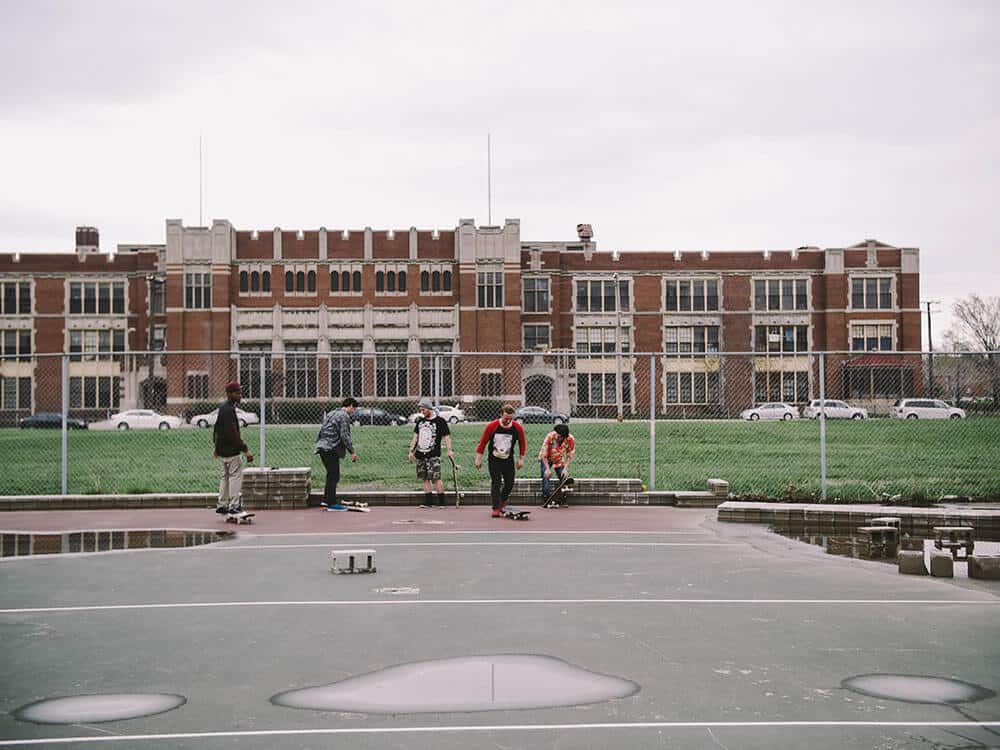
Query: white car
{"x": 450, "y": 414}
{"x": 772, "y": 410}
{"x": 208, "y": 420}
{"x": 144, "y": 419}
{"x": 925, "y": 408}
{"x": 833, "y": 410}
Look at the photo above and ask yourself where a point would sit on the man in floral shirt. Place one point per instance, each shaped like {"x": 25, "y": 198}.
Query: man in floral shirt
{"x": 555, "y": 456}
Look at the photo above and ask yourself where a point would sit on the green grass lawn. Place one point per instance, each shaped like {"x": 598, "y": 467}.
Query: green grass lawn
{"x": 863, "y": 458}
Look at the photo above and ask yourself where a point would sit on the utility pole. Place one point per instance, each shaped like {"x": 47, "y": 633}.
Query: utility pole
{"x": 930, "y": 345}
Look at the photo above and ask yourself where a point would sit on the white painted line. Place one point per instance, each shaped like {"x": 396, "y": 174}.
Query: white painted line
{"x": 232, "y": 547}
{"x": 448, "y": 532}
{"x": 508, "y": 728}
{"x": 494, "y": 602}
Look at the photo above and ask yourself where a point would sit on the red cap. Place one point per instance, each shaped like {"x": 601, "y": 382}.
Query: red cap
{"x": 232, "y": 385}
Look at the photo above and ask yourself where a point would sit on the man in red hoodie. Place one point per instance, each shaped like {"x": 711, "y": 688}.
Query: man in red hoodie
{"x": 499, "y": 437}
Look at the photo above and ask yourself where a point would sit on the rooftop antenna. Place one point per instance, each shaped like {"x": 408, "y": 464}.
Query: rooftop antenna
{"x": 200, "y": 190}
{"x": 489, "y": 181}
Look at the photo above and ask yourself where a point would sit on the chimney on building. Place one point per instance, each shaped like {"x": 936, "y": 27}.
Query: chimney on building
{"x": 585, "y": 232}
{"x": 88, "y": 240}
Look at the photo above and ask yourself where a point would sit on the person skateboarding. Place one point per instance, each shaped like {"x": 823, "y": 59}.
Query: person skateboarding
{"x": 499, "y": 437}
{"x": 429, "y": 431}
{"x": 557, "y": 451}
{"x": 334, "y": 443}
{"x": 228, "y": 445}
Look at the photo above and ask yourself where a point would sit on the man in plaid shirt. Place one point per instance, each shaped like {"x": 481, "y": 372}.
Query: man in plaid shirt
{"x": 554, "y": 457}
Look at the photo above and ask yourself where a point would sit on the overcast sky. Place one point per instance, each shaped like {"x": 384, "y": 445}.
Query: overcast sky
{"x": 666, "y": 125}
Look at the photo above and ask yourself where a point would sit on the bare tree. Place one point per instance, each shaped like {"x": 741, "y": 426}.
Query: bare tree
{"x": 978, "y": 323}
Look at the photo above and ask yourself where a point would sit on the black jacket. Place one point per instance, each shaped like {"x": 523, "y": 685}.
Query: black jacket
{"x": 227, "y": 438}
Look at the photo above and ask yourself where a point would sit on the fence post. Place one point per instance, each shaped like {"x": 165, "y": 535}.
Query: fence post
{"x": 652, "y": 422}
{"x": 262, "y": 387}
{"x": 64, "y": 455}
{"x": 437, "y": 380}
{"x": 822, "y": 426}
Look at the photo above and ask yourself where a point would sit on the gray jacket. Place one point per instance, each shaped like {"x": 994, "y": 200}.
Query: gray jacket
{"x": 335, "y": 433}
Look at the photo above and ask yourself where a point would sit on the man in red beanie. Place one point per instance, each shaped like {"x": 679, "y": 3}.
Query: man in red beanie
{"x": 228, "y": 446}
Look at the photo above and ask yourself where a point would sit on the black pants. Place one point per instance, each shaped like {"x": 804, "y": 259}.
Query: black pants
{"x": 331, "y": 462}
{"x": 501, "y": 480}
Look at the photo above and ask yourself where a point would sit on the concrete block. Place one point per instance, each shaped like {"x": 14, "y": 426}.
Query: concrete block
{"x": 911, "y": 562}
{"x": 942, "y": 566}
{"x": 986, "y": 567}
{"x": 718, "y": 487}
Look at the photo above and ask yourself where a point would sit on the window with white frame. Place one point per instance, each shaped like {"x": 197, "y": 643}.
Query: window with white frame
{"x": 300, "y": 371}
{"x": 15, "y": 298}
{"x": 691, "y": 339}
{"x": 871, "y": 293}
{"x": 536, "y": 294}
{"x": 346, "y": 369}
{"x": 391, "y": 368}
{"x": 601, "y": 339}
{"x": 197, "y": 290}
{"x": 90, "y": 346}
{"x": 691, "y": 387}
{"x": 781, "y": 339}
{"x": 15, "y": 393}
{"x": 691, "y": 295}
{"x": 250, "y": 356}
{"x": 598, "y": 388}
{"x": 789, "y": 387}
{"x": 196, "y": 386}
{"x": 255, "y": 280}
{"x": 436, "y": 362}
{"x": 16, "y": 343}
{"x": 536, "y": 337}
{"x": 489, "y": 289}
{"x": 94, "y": 392}
{"x": 603, "y": 295}
{"x": 871, "y": 337}
{"x": 345, "y": 280}
{"x": 390, "y": 279}
{"x": 97, "y": 298}
{"x": 490, "y": 383}
{"x": 780, "y": 294}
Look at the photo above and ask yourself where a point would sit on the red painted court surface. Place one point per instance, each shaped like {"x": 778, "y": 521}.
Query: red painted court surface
{"x": 588, "y": 627}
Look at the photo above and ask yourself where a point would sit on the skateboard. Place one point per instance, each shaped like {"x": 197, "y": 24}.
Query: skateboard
{"x": 357, "y": 507}
{"x": 454, "y": 475}
{"x": 558, "y": 497}
{"x": 240, "y": 517}
{"x": 516, "y": 514}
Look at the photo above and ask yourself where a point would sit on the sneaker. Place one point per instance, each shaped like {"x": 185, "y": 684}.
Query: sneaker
{"x": 336, "y": 508}
{"x": 221, "y": 510}
{"x": 497, "y": 513}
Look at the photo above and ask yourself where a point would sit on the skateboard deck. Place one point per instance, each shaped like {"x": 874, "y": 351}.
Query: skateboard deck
{"x": 454, "y": 475}
{"x": 516, "y": 514}
{"x": 241, "y": 517}
{"x": 357, "y": 507}
{"x": 558, "y": 497}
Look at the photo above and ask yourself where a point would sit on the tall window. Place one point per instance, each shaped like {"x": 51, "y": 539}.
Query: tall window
{"x": 446, "y": 281}
{"x": 425, "y": 281}
{"x": 602, "y": 295}
{"x": 490, "y": 383}
{"x": 536, "y": 295}
{"x": 390, "y": 369}
{"x": 197, "y": 386}
{"x": 244, "y": 282}
{"x": 346, "y": 371}
{"x": 300, "y": 371}
{"x": 601, "y": 340}
{"x": 691, "y": 295}
{"x": 489, "y": 288}
{"x": 691, "y": 339}
{"x": 94, "y": 392}
{"x": 599, "y": 388}
{"x": 780, "y": 294}
{"x": 15, "y": 393}
{"x": 783, "y": 339}
{"x": 97, "y": 297}
{"x": 311, "y": 281}
{"x": 157, "y": 299}
{"x": 436, "y": 361}
{"x": 379, "y": 281}
{"x": 781, "y": 386}
{"x": 250, "y": 355}
{"x": 871, "y": 293}
{"x": 16, "y": 344}
{"x": 536, "y": 337}
{"x": 871, "y": 337}
{"x": 691, "y": 387}
{"x": 90, "y": 346}
{"x": 197, "y": 291}
{"x": 15, "y": 298}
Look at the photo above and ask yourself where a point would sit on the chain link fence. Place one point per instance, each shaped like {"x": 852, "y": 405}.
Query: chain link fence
{"x": 861, "y": 426}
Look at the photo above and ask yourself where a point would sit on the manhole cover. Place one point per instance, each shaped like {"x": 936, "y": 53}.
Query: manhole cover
{"x": 917, "y": 688}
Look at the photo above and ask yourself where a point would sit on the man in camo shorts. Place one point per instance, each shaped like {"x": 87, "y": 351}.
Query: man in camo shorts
{"x": 428, "y": 432}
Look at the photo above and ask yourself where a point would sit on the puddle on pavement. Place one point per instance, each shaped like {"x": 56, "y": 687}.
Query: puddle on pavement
{"x": 917, "y": 688}
{"x": 89, "y": 709}
{"x": 470, "y": 683}
{"x": 14, "y": 544}
{"x": 397, "y": 590}
{"x": 422, "y": 522}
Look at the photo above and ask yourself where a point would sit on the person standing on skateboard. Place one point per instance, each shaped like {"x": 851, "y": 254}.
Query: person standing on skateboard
{"x": 334, "y": 443}
{"x": 554, "y": 457}
{"x": 228, "y": 447}
{"x": 428, "y": 432}
{"x": 499, "y": 437}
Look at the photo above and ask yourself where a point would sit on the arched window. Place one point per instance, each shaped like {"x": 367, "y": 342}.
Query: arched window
{"x": 311, "y": 281}
{"x": 390, "y": 281}
{"x": 345, "y": 281}
{"x": 446, "y": 281}
{"x": 289, "y": 281}
{"x": 243, "y": 281}
{"x": 334, "y": 281}
{"x": 425, "y": 281}
{"x": 255, "y": 281}
{"x": 300, "y": 282}
{"x": 401, "y": 278}
{"x": 379, "y": 281}
{"x": 357, "y": 281}
{"x": 436, "y": 281}
{"x": 265, "y": 281}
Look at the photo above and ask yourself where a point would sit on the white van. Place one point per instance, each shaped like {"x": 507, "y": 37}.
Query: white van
{"x": 925, "y": 408}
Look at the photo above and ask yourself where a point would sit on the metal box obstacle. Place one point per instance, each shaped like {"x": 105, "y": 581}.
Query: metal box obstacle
{"x": 352, "y": 557}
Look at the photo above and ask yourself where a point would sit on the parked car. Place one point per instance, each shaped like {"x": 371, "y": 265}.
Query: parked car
{"x": 365, "y": 415}
{"x": 538, "y": 415}
{"x": 925, "y": 408}
{"x": 833, "y": 410}
{"x": 51, "y": 420}
{"x": 772, "y": 410}
{"x": 209, "y": 419}
{"x": 450, "y": 414}
{"x": 144, "y": 419}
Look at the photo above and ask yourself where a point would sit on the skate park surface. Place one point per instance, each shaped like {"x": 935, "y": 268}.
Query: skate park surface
{"x": 586, "y": 627}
